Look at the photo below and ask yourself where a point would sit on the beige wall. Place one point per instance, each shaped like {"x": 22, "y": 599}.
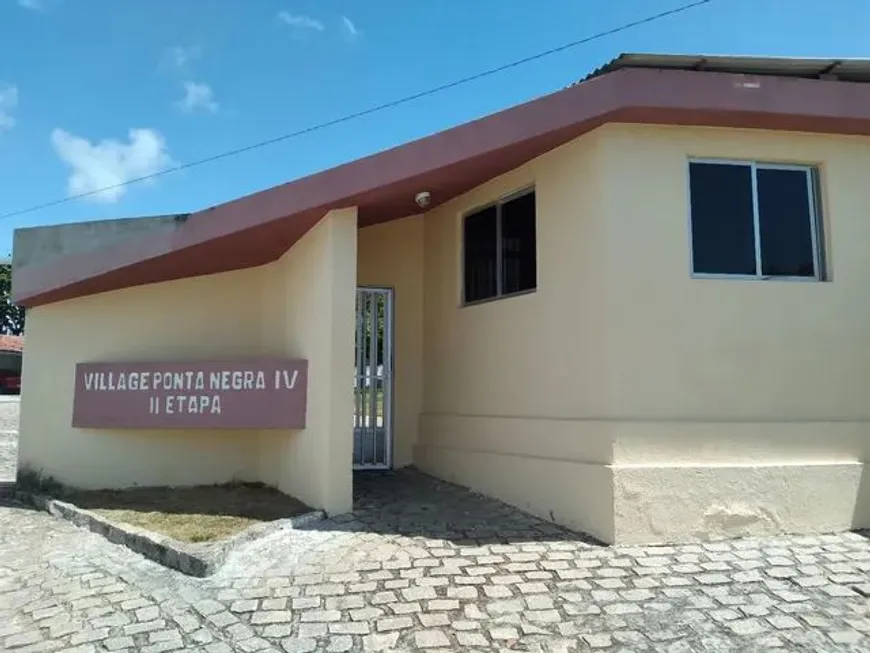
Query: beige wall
{"x": 757, "y": 386}
{"x": 623, "y": 382}
{"x": 509, "y": 384}
{"x": 771, "y": 351}
{"x": 300, "y": 306}
{"x": 391, "y": 255}
{"x": 157, "y": 322}
{"x": 307, "y": 302}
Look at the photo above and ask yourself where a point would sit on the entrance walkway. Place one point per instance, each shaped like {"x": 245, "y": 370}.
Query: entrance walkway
{"x": 427, "y": 566}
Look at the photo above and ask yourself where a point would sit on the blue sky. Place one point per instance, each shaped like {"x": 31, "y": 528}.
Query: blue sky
{"x": 93, "y": 92}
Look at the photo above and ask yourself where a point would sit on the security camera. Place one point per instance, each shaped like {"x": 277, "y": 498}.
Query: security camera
{"x": 423, "y": 199}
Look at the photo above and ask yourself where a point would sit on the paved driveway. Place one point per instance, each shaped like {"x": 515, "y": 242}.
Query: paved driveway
{"x": 8, "y": 436}
{"x": 427, "y": 566}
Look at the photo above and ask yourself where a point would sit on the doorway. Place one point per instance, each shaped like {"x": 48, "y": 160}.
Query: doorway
{"x": 373, "y": 379}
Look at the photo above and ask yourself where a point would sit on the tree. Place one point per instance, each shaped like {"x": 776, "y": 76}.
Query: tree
{"x": 11, "y": 315}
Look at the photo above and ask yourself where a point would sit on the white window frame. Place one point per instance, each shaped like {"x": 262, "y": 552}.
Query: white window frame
{"x": 497, "y": 203}
{"x": 812, "y": 176}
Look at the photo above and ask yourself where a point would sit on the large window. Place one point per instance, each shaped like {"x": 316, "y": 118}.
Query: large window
{"x": 499, "y": 249}
{"x": 754, "y": 220}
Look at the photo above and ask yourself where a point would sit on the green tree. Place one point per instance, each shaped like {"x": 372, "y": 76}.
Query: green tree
{"x": 11, "y": 315}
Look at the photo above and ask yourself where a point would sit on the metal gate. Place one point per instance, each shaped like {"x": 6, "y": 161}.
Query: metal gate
{"x": 373, "y": 382}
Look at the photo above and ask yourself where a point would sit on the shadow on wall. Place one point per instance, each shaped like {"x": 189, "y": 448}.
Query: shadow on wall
{"x": 409, "y": 503}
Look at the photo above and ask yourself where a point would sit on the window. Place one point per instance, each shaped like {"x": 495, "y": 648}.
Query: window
{"x": 499, "y": 249}
{"x": 754, "y": 220}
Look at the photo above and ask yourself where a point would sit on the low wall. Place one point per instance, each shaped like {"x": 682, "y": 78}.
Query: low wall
{"x": 37, "y": 245}
{"x": 694, "y": 480}
{"x": 686, "y": 503}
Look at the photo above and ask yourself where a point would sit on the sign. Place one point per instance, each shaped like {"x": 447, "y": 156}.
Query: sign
{"x": 240, "y": 394}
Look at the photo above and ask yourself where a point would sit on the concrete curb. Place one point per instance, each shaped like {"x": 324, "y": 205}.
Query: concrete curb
{"x": 195, "y": 560}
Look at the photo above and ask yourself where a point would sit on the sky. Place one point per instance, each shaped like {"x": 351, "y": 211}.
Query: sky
{"x": 97, "y": 92}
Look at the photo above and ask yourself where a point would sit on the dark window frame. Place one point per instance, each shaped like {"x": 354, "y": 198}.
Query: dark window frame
{"x": 815, "y": 212}
{"x": 498, "y": 204}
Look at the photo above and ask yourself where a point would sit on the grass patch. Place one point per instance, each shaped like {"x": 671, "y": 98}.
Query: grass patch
{"x": 365, "y": 398}
{"x": 191, "y": 514}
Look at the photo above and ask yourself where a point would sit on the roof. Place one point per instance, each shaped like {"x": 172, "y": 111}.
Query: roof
{"x": 741, "y": 92}
{"x": 11, "y": 343}
{"x": 843, "y": 69}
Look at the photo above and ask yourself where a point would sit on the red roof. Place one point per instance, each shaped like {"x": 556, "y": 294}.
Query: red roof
{"x": 11, "y": 343}
{"x": 259, "y": 228}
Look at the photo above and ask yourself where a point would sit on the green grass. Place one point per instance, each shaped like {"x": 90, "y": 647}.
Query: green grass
{"x": 365, "y": 398}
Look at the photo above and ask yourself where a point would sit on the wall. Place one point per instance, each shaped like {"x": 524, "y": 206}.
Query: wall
{"x": 208, "y": 317}
{"x": 623, "y": 382}
{"x": 745, "y": 398}
{"x": 35, "y": 245}
{"x": 391, "y": 255}
{"x": 300, "y": 306}
{"x": 510, "y": 385}
{"x": 307, "y": 300}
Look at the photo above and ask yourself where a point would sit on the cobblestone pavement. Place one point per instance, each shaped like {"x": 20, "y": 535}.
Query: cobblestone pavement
{"x": 426, "y": 566}
{"x": 8, "y": 437}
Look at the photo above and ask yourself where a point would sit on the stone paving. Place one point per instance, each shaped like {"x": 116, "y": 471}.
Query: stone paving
{"x": 8, "y": 437}
{"x": 425, "y": 566}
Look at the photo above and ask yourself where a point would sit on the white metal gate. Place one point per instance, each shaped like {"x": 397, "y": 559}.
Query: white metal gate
{"x": 373, "y": 382}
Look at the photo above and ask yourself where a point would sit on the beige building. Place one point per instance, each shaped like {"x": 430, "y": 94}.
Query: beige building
{"x": 636, "y": 307}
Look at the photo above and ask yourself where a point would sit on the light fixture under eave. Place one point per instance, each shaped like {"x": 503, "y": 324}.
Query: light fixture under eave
{"x": 423, "y": 199}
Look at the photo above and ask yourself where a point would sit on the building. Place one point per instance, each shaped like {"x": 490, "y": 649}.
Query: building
{"x": 11, "y": 348}
{"x": 636, "y": 306}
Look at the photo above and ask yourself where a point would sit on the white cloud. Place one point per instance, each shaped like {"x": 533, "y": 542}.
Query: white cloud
{"x": 300, "y": 21}
{"x": 108, "y": 163}
{"x": 349, "y": 26}
{"x": 180, "y": 55}
{"x": 36, "y": 5}
{"x": 198, "y": 97}
{"x": 8, "y": 102}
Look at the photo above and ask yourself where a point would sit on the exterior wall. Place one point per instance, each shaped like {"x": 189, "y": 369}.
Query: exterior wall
{"x": 622, "y": 382}
{"x": 207, "y": 317}
{"x": 744, "y": 398}
{"x": 35, "y": 245}
{"x": 510, "y": 385}
{"x": 301, "y": 305}
{"x": 391, "y": 255}
{"x": 308, "y": 300}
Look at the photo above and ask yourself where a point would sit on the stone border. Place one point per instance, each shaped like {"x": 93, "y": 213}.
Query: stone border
{"x": 195, "y": 560}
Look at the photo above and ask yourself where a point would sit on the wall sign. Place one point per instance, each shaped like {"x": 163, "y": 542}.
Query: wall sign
{"x": 238, "y": 394}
